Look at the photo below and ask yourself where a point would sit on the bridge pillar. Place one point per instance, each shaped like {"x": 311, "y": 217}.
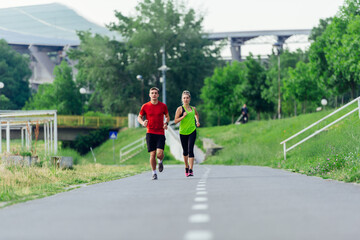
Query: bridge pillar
{"x": 235, "y": 48}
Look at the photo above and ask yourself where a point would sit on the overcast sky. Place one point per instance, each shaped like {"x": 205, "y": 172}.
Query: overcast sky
{"x": 220, "y": 15}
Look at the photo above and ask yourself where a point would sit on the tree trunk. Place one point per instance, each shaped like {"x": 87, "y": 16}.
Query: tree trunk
{"x": 295, "y": 107}
{"x": 218, "y": 123}
{"x": 258, "y": 114}
{"x": 232, "y": 119}
{"x": 336, "y": 102}
{"x": 342, "y": 100}
{"x": 352, "y": 90}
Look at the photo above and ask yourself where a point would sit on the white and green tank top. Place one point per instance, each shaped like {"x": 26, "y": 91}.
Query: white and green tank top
{"x": 187, "y": 125}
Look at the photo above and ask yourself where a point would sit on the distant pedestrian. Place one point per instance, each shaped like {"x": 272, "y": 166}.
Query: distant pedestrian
{"x": 189, "y": 120}
{"x": 245, "y": 114}
{"x": 154, "y": 111}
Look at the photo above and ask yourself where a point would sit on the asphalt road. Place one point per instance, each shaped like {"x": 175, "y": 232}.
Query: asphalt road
{"x": 219, "y": 202}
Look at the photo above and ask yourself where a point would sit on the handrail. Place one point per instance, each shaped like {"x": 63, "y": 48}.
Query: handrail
{"x": 319, "y": 131}
{"x": 140, "y": 143}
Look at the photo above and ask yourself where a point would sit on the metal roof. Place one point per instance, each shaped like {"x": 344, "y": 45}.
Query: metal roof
{"x": 47, "y": 24}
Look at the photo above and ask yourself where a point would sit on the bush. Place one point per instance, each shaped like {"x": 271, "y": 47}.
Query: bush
{"x": 83, "y": 143}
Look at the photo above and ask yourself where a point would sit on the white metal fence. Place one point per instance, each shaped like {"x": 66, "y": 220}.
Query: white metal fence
{"x": 132, "y": 149}
{"x": 322, "y": 129}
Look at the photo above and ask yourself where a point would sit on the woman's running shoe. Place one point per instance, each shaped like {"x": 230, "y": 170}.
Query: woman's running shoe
{"x": 187, "y": 172}
{"x": 191, "y": 173}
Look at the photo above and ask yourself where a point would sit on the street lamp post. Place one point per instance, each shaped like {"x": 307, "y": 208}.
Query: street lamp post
{"x": 1, "y": 87}
{"x": 163, "y": 68}
{"x": 82, "y": 92}
{"x": 324, "y": 102}
{"x": 140, "y": 78}
{"x": 278, "y": 47}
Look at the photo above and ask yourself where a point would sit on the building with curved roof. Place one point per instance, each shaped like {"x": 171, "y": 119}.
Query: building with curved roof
{"x": 45, "y": 32}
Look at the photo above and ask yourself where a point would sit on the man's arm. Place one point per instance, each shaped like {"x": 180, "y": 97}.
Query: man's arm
{"x": 167, "y": 116}
{"x": 141, "y": 121}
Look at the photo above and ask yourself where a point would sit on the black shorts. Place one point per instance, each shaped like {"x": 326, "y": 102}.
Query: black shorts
{"x": 155, "y": 141}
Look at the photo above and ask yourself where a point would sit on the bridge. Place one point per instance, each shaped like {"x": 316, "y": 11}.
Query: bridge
{"x": 69, "y": 127}
{"x": 237, "y": 39}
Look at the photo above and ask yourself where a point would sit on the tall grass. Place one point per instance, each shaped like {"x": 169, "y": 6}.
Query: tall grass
{"x": 19, "y": 183}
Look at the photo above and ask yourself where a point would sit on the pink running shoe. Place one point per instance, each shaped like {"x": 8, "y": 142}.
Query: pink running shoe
{"x": 186, "y": 172}
{"x": 191, "y": 173}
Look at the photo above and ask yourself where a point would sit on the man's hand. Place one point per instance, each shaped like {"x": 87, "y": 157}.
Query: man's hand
{"x": 165, "y": 126}
{"x": 145, "y": 123}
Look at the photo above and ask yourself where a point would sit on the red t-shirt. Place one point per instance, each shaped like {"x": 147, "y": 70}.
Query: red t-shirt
{"x": 154, "y": 113}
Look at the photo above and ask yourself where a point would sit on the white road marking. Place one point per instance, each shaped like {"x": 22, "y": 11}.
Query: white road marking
{"x": 198, "y": 235}
{"x": 201, "y": 199}
{"x": 201, "y": 193}
{"x": 200, "y": 207}
{"x": 199, "y": 218}
{"x": 200, "y": 189}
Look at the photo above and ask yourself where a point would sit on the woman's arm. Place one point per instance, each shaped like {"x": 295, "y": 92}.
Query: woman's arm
{"x": 177, "y": 115}
{"x": 197, "y": 118}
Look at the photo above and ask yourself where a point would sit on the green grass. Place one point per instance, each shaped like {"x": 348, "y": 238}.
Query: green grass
{"x": 331, "y": 154}
{"x": 104, "y": 153}
{"x": 18, "y": 184}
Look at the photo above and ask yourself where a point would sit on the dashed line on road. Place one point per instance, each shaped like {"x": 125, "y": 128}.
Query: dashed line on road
{"x": 198, "y": 235}
{"x": 200, "y": 199}
{"x": 200, "y": 207}
{"x": 199, "y": 218}
{"x": 201, "y": 193}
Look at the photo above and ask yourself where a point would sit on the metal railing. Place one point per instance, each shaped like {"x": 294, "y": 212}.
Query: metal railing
{"x": 132, "y": 149}
{"x": 322, "y": 129}
{"x": 95, "y": 122}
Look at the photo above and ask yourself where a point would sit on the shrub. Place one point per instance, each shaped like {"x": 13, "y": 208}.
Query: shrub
{"x": 83, "y": 143}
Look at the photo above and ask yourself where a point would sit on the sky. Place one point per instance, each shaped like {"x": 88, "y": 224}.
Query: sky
{"x": 219, "y": 15}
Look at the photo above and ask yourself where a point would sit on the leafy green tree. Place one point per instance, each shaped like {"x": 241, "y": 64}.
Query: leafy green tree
{"x": 15, "y": 74}
{"x": 168, "y": 23}
{"x": 62, "y": 95}
{"x": 287, "y": 59}
{"x": 102, "y": 69}
{"x": 300, "y": 85}
{"x": 222, "y": 92}
{"x": 334, "y": 54}
{"x": 255, "y": 86}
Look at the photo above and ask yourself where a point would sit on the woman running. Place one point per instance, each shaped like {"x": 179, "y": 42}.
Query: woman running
{"x": 189, "y": 120}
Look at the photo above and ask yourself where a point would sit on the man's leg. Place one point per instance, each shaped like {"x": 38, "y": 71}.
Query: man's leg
{"x": 153, "y": 160}
{"x": 160, "y": 156}
{"x": 153, "y": 164}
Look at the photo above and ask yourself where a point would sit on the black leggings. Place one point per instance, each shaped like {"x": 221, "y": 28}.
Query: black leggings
{"x": 187, "y": 143}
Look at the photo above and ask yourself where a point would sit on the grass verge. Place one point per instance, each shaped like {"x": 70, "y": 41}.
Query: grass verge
{"x": 332, "y": 154}
{"x": 18, "y": 184}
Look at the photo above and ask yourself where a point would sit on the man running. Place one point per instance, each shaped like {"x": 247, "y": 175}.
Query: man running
{"x": 154, "y": 111}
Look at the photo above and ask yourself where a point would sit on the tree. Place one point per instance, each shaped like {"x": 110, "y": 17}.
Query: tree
{"x": 14, "y": 73}
{"x": 102, "y": 68}
{"x": 62, "y": 95}
{"x": 222, "y": 92}
{"x": 254, "y": 88}
{"x": 300, "y": 85}
{"x": 166, "y": 23}
{"x": 287, "y": 59}
{"x": 334, "y": 54}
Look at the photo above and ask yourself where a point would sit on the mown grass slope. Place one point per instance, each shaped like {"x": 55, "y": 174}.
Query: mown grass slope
{"x": 333, "y": 153}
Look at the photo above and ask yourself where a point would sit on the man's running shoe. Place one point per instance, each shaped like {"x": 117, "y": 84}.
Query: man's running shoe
{"x": 154, "y": 177}
{"x": 161, "y": 166}
{"x": 191, "y": 173}
{"x": 186, "y": 172}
